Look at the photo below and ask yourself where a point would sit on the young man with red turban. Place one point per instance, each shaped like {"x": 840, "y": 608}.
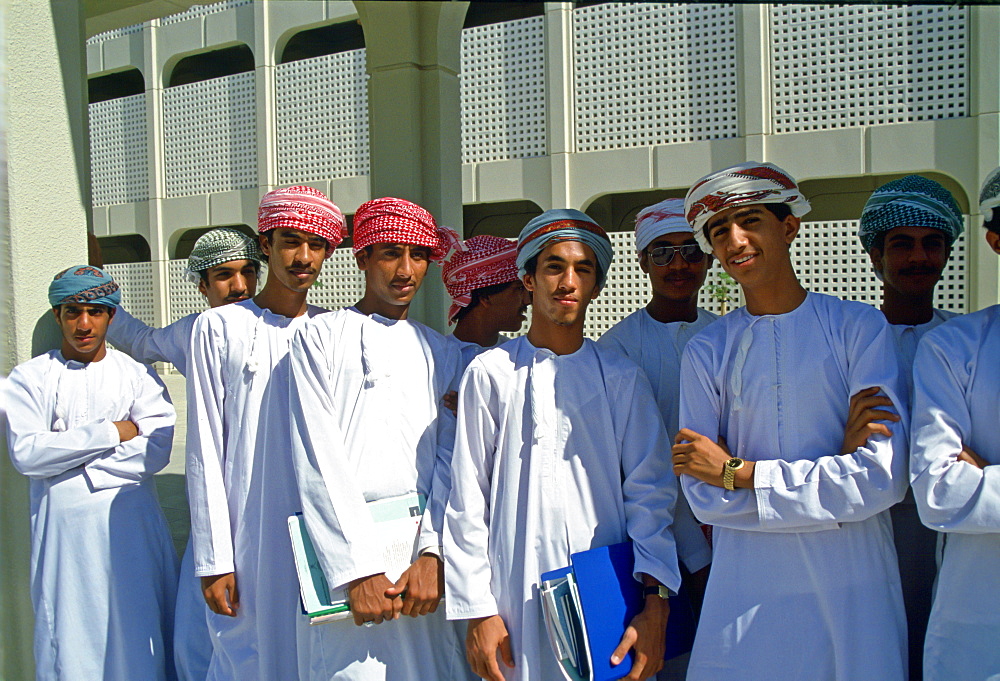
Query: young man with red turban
{"x": 487, "y": 295}
{"x": 368, "y": 425}
{"x": 240, "y": 481}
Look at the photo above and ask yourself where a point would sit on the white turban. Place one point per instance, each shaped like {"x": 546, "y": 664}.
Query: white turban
{"x": 665, "y": 217}
{"x": 746, "y": 183}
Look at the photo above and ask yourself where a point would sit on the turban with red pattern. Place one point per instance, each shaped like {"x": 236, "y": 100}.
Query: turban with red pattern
{"x": 305, "y": 209}
{"x": 742, "y": 184}
{"x": 481, "y": 261}
{"x": 398, "y": 221}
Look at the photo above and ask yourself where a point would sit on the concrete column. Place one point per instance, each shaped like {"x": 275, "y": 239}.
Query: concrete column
{"x": 415, "y": 140}
{"x": 267, "y": 130}
{"x": 754, "y": 80}
{"x": 984, "y": 105}
{"x": 159, "y": 234}
{"x": 49, "y": 196}
{"x": 560, "y": 100}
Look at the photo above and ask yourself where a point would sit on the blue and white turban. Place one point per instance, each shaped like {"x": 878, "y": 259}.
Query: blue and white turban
{"x": 217, "y": 246}
{"x": 564, "y": 224}
{"x": 989, "y": 195}
{"x": 84, "y": 285}
{"x": 912, "y": 201}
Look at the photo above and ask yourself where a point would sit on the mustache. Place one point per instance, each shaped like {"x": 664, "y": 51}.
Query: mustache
{"x": 918, "y": 269}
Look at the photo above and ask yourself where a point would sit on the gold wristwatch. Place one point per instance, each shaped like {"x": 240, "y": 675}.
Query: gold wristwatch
{"x": 729, "y": 472}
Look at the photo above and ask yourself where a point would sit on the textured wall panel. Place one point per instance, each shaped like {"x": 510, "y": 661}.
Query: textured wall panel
{"x": 341, "y": 283}
{"x": 203, "y": 10}
{"x": 503, "y": 91}
{"x": 210, "y": 135}
{"x": 848, "y": 65}
{"x": 654, "y": 73}
{"x": 322, "y": 117}
{"x": 118, "y": 160}
{"x": 136, "y": 282}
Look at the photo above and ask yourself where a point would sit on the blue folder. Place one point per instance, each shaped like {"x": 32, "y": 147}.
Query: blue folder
{"x": 589, "y": 605}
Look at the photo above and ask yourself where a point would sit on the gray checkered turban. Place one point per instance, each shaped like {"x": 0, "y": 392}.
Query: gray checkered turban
{"x": 912, "y": 201}
{"x": 218, "y": 246}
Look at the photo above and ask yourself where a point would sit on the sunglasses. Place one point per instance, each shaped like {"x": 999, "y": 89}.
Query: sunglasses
{"x": 662, "y": 255}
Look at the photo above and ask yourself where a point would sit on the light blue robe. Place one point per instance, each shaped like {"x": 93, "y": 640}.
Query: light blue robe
{"x": 956, "y": 403}
{"x": 804, "y": 581}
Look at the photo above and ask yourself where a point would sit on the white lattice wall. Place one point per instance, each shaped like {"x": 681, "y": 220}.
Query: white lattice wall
{"x": 114, "y": 33}
{"x": 210, "y": 135}
{"x": 829, "y": 259}
{"x": 340, "y": 282}
{"x": 847, "y": 65}
{"x": 503, "y": 91}
{"x": 642, "y": 70}
{"x": 203, "y": 10}
{"x": 184, "y": 296}
{"x": 118, "y": 163}
{"x": 136, "y": 282}
{"x": 322, "y": 117}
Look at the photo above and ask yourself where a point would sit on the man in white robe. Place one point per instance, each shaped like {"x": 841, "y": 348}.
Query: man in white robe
{"x": 224, "y": 263}
{"x": 804, "y": 581}
{"x": 240, "y": 481}
{"x": 486, "y": 293}
{"x": 559, "y": 449}
{"x": 90, "y": 427}
{"x": 908, "y": 227}
{"x": 954, "y": 471}
{"x": 654, "y": 337}
{"x": 367, "y": 425}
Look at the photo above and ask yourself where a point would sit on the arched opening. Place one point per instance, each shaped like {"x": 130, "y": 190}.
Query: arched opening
{"x": 185, "y": 242}
{"x": 316, "y": 42}
{"x": 505, "y": 219}
{"x": 482, "y": 13}
{"x": 115, "y": 85}
{"x": 843, "y": 198}
{"x": 616, "y": 212}
{"x": 217, "y": 63}
{"x": 124, "y": 248}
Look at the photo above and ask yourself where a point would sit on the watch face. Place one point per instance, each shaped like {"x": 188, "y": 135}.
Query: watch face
{"x": 734, "y": 463}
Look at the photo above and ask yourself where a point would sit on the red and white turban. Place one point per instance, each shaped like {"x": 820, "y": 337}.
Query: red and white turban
{"x": 482, "y": 261}
{"x": 305, "y": 209}
{"x": 398, "y": 221}
{"x": 652, "y": 222}
{"x": 741, "y": 184}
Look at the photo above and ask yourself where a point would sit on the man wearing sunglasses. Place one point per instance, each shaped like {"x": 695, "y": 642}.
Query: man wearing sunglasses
{"x": 654, "y": 338}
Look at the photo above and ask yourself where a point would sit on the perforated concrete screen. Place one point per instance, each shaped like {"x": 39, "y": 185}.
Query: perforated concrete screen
{"x": 340, "y": 283}
{"x": 118, "y": 163}
{"x": 847, "y": 65}
{"x": 204, "y": 10}
{"x": 114, "y": 33}
{"x": 322, "y": 117}
{"x": 503, "y": 91}
{"x": 184, "y": 296}
{"x": 641, "y": 70}
{"x": 136, "y": 282}
{"x": 829, "y": 259}
{"x": 210, "y": 135}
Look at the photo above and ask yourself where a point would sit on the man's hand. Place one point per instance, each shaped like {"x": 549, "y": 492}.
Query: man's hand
{"x": 450, "y": 400}
{"x": 969, "y": 456}
{"x": 126, "y": 430}
{"x": 646, "y": 634}
{"x": 863, "y": 416}
{"x": 421, "y": 586}
{"x": 696, "y": 455}
{"x": 221, "y": 594}
{"x": 484, "y": 637}
{"x": 369, "y": 602}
